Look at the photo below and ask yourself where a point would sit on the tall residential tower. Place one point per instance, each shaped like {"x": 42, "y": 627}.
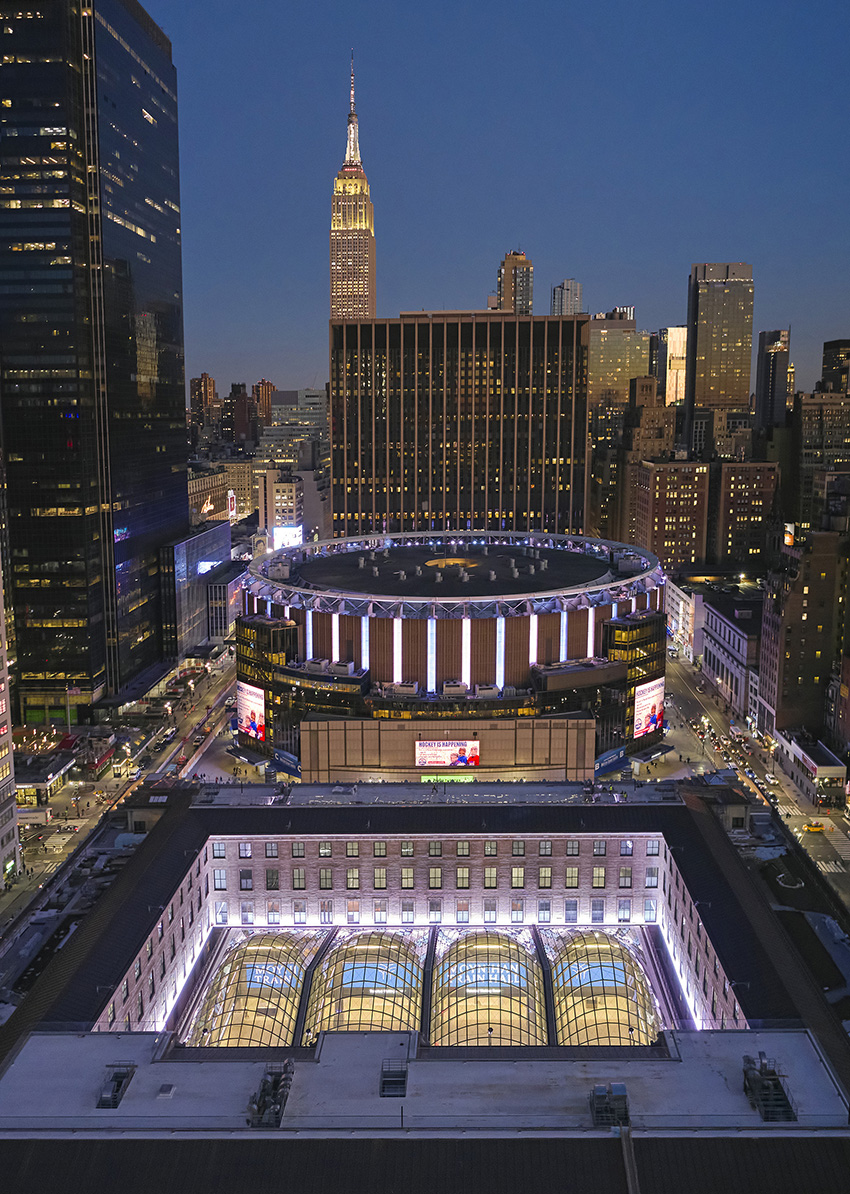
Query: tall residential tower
{"x": 352, "y": 232}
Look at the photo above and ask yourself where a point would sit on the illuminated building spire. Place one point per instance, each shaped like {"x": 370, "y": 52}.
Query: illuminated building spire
{"x": 352, "y": 232}
{"x": 352, "y": 149}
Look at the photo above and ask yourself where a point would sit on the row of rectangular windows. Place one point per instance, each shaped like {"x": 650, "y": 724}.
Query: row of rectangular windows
{"x": 435, "y": 849}
{"x": 435, "y": 878}
{"x": 352, "y": 910}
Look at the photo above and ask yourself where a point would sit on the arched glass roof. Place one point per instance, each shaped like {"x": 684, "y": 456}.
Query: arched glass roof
{"x": 253, "y": 998}
{"x": 602, "y": 996}
{"x": 368, "y": 982}
{"x": 488, "y": 989}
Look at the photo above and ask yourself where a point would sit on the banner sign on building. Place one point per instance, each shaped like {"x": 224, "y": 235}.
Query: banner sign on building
{"x": 447, "y": 754}
{"x": 251, "y": 710}
{"x": 649, "y": 707}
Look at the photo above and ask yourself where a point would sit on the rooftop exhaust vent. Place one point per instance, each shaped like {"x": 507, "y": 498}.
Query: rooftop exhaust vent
{"x": 609, "y": 1105}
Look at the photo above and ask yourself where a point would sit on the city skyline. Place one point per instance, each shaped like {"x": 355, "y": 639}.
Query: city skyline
{"x": 695, "y": 177}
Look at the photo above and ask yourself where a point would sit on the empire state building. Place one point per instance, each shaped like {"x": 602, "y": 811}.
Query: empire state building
{"x": 352, "y": 233}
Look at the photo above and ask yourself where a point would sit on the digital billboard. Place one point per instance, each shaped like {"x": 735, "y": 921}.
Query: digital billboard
{"x": 251, "y": 710}
{"x": 447, "y": 754}
{"x": 287, "y": 537}
{"x": 649, "y": 707}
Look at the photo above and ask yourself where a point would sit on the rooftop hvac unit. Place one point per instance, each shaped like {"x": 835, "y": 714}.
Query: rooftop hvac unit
{"x": 609, "y": 1105}
{"x": 342, "y": 667}
{"x": 486, "y": 690}
{"x": 454, "y": 688}
{"x": 317, "y": 665}
{"x": 408, "y": 688}
{"x": 509, "y": 690}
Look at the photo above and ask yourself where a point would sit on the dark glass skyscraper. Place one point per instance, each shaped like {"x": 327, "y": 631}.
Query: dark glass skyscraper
{"x": 772, "y": 378}
{"x": 458, "y": 420}
{"x": 91, "y": 337}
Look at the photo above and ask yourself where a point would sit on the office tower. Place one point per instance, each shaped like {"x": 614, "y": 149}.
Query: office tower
{"x": 648, "y": 434}
{"x": 792, "y": 388}
{"x": 741, "y": 500}
{"x": 515, "y": 284}
{"x": 671, "y": 511}
{"x": 772, "y": 378}
{"x": 262, "y": 395}
{"x": 802, "y": 629}
{"x": 566, "y": 298}
{"x": 281, "y": 506}
{"x": 616, "y": 352}
{"x": 10, "y": 858}
{"x": 835, "y": 373}
{"x": 422, "y": 438}
{"x": 672, "y": 357}
{"x": 91, "y": 329}
{"x": 720, "y": 335}
{"x": 819, "y": 440}
{"x": 202, "y": 399}
{"x": 352, "y": 232}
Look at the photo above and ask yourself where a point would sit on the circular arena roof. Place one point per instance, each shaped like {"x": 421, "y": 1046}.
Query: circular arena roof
{"x": 424, "y": 574}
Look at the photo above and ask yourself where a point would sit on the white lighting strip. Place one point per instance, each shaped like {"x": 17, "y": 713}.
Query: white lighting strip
{"x": 397, "y": 661}
{"x": 268, "y": 607}
{"x": 674, "y": 966}
{"x": 563, "y": 646}
{"x": 466, "y": 650}
{"x": 500, "y": 652}
{"x": 364, "y": 642}
{"x": 335, "y": 637}
{"x": 634, "y": 604}
{"x": 532, "y": 639}
{"x": 308, "y": 634}
{"x": 591, "y": 631}
{"x": 431, "y": 678}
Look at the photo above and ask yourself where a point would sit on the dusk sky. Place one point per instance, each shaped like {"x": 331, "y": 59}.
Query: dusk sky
{"x": 615, "y": 143}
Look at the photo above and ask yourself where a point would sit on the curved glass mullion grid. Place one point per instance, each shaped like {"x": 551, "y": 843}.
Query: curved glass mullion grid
{"x": 487, "y": 990}
{"x": 602, "y": 996}
{"x": 253, "y": 998}
{"x": 368, "y": 982}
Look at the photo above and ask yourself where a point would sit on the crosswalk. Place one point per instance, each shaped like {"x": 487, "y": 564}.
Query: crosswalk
{"x": 787, "y": 810}
{"x": 833, "y": 867}
{"x": 839, "y": 842}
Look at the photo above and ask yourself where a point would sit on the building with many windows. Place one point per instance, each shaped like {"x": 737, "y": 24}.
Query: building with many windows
{"x": 731, "y": 647}
{"x": 340, "y": 980}
{"x": 352, "y": 231}
{"x": 91, "y": 345}
{"x": 515, "y": 285}
{"x": 720, "y": 338}
{"x": 670, "y": 511}
{"x": 458, "y": 420}
{"x": 10, "y": 854}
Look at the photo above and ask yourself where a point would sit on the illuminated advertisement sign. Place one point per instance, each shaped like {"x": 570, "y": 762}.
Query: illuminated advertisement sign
{"x": 649, "y": 707}
{"x": 287, "y": 537}
{"x": 231, "y": 503}
{"x": 447, "y": 754}
{"x": 789, "y": 534}
{"x": 251, "y": 710}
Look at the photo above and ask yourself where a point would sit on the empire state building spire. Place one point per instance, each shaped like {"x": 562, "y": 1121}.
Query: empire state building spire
{"x": 352, "y": 231}
{"x": 352, "y": 149}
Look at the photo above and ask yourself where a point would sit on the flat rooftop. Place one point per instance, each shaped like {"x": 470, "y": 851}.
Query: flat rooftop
{"x": 397, "y": 571}
{"x": 55, "y": 1078}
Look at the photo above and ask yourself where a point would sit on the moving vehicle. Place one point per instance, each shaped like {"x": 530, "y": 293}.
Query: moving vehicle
{"x": 813, "y": 826}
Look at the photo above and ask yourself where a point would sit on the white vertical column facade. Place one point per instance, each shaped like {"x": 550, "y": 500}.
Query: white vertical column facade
{"x": 431, "y": 678}
{"x": 500, "y": 652}
{"x": 398, "y": 668}
{"x": 564, "y": 632}
{"x": 364, "y": 642}
{"x": 591, "y": 631}
{"x": 466, "y": 650}
{"x": 334, "y": 637}
{"x": 308, "y": 633}
{"x": 532, "y": 639}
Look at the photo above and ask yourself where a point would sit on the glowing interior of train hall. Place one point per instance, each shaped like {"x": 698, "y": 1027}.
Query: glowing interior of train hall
{"x": 476, "y": 987}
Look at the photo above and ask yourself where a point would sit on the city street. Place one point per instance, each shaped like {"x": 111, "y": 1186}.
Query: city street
{"x": 828, "y": 847}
